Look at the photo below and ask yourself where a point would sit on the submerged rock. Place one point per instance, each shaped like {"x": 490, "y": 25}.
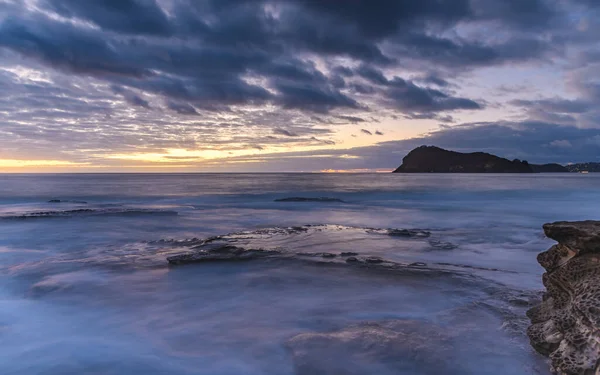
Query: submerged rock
{"x": 66, "y": 201}
{"x": 317, "y": 255}
{"x": 220, "y": 253}
{"x": 566, "y": 325}
{"x": 284, "y": 241}
{"x": 384, "y": 348}
{"x": 308, "y": 199}
{"x": 437, "y": 244}
{"x": 408, "y": 233}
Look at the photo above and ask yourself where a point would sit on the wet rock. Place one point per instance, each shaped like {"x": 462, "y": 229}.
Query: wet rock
{"x": 408, "y": 233}
{"x": 317, "y": 255}
{"x": 308, "y": 199}
{"x": 566, "y": 325}
{"x": 283, "y": 241}
{"x": 220, "y": 253}
{"x": 65, "y": 201}
{"x": 418, "y": 264}
{"x": 352, "y": 260}
{"x": 442, "y": 245}
{"x": 373, "y": 260}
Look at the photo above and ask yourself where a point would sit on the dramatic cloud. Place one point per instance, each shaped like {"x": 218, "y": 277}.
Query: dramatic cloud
{"x": 527, "y": 141}
{"x": 94, "y": 81}
{"x": 287, "y": 133}
{"x": 352, "y": 119}
{"x": 182, "y": 108}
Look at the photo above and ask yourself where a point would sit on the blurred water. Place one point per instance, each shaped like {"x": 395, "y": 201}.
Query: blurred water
{"x": 82, "y": 291}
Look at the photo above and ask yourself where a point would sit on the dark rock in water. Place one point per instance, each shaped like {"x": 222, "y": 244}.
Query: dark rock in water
{"x": 418, "y": 264}
{"x": 289, "y": 243}
{"x": 373, "y": 260}
{"x": 65, "y": 201}
{"x": 408, "y": 233}
{"x": 317, "y": 255}
{"x": 566, "y": 325}
{"x": 442, "y": 245}
{"x": 220, "y": 253}
{"x": 431, "y": 159}
{"x": 305, "y": 199}
{"x": 56, "y": 213}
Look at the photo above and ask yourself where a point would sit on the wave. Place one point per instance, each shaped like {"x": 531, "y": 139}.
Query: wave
{"x": 83, "y": 212}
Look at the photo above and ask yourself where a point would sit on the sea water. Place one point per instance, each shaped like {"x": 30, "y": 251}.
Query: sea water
{"x": 85, "y": 287}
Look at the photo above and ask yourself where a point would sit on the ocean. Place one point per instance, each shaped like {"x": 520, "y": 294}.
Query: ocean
{"x": 85, "y": 286}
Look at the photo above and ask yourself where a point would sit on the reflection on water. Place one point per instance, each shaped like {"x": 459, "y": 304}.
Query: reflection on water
{"x": 89, "y": 293}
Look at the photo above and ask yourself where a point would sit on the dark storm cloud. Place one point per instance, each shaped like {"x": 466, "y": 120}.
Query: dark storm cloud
{"x": 284, "y": 132}
{"x": 556, "y": 105}
{"x": 527, "y": 14}
{"x": 182, "y": 108}
{"x": 314, "y": 98}
{"x": 131, "y": 97}
{"x": 407, "y": 96}
{"x": 372, "y": 74}
{"x": 129, "y": 16}
{"x": 323, "y": 141}
{"x": 382, "y": 18}
{"x": 352, "y": 119}
{"x": 583, "y": 111}
{"x": 343, "y": 71}
{"x": 459, "y": 54}
{"x": 214, "y": 45}
{"x": 304, "y": 32}
{"x": 362, "y": 89}
{"x": 435, "y": 80}
{"x": 64, "y": 46}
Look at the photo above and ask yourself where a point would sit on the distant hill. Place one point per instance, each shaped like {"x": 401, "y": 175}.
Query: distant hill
{"x": 548, "y": 168}
{"x": 584, "y": 167}
{"x": 431, "y": 159}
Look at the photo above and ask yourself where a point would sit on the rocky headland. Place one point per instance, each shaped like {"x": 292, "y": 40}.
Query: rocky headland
{"x": 432, "y": 159}
{"x": 566, "y": 325}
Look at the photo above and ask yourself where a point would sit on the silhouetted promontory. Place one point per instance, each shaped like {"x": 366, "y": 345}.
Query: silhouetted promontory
{"x": 431, "y": 159}
{"x": 548, "y": 168}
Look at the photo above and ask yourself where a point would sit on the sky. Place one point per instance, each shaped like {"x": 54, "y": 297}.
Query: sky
{"x": 294, "y": 85}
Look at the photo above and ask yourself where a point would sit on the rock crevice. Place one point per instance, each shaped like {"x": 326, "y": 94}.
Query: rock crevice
{"x": 566, "y": 325}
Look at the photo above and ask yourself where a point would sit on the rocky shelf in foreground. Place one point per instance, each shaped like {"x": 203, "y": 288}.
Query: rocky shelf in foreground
{"x": 566, "y": 325}
{"x": 281, "y": 242}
